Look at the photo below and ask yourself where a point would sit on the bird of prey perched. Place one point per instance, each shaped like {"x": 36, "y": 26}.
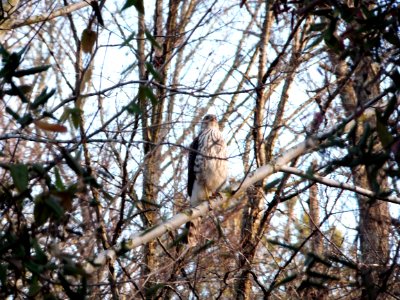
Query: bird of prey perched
{"x": 207, "y": 168}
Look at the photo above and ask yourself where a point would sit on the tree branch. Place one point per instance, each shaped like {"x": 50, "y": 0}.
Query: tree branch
{"x": 178, "y": 220}
{"x": 44, "y": 17}
{"x": 334, "y": 183}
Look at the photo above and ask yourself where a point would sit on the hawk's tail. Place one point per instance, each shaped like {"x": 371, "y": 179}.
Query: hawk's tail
{"x": 192, "y": 233}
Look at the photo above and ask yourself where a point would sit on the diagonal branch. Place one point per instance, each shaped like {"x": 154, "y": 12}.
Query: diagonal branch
{"x": 337, "y": 184}
{"x": 274, "y": 166}
{"x": 201, "y": 210}
{"x": 45, "y": 16}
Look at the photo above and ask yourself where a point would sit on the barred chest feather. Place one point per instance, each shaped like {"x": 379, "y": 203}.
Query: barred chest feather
{"x": 211, "y": 165}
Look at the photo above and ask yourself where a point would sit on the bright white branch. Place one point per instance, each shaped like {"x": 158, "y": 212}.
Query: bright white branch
{"x": 337, "y": 184}
{"x": 277, "y": 165}
{"x": 11, "y": 24}
{"x": 201, "y": 210}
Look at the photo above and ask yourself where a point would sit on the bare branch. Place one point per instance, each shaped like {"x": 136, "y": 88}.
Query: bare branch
{"x": 45, "y": 16}
{"x": 337, "y": 184}
{"x": 202, "y": 209}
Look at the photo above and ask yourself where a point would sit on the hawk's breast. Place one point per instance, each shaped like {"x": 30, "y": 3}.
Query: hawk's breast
{"x": 211, "y": 163}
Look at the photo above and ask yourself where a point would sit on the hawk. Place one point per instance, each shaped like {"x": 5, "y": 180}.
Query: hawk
{"x": 207, "y": 167}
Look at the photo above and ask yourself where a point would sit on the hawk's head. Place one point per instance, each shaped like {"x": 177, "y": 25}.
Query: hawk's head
{"x": 209, "y": 121}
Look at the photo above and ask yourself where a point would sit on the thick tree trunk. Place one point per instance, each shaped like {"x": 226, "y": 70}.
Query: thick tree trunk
{"x": 316, "y": 241}
{"x": 149, "y": 193}
{"x": 317, "y": 246}
{"x": 166, "y": 36}
{"x": 251, "y": 214}
{"x": 251, "y": 220}
{"x": 374, "y": 226}
{"x": 374, "y": 217}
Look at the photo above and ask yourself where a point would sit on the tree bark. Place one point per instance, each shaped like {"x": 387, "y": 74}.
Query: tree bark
{"x": 251, "y": 213}
{"x": 149, "y": 194}
{"x": 374, "y": 216}
{"x": 312, "y": 292}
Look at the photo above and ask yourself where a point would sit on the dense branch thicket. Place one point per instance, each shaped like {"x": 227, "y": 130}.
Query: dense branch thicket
{"x": 101, "y": 99}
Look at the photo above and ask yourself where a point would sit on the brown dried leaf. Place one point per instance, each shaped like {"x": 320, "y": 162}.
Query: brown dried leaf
{"x": 50, "y": 127}
{"x": 88, "y": 39}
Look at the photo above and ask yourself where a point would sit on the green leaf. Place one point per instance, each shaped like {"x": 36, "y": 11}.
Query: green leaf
{"x": 390, "y": 107}
{"x": 55, "y": 207}
{"x": 73, "y": 114}
{"x": 18, "y": 91}
{"x": 153, "y": 71}
{"x": 4, "y": 53}
{"x": 71, "y": 268}
{"x": 146, "y": 92}
{"x": 348, "y": 13}
{"x": 41, "y": 211}
{"x": 34, "y": 287}
{"x": 59, "y": 184}
{"x": 152, "y": 40}
{"x": 42, "y": 98}
{"x": 65, "y": 115}
{"x": 25, "y": 89}
{"x": 72, "y": 162}
{"x": 395, "y": 76}
{"x": 82, "y": 290}
{"x": 129, "y": 68}
{"x": 20, "y": 176}
{"x": 272, "y": 184}
{"x": 11, "y": 63}
{"x": 383, "y": 133}
{"x": 12, "y": 113}
{"x": 332, "y": 41}
{"x": 107, "y": 196}
{"x": 33, "y": 267}
{"x": 314, "y": 43}
{"x": 312, "y": 257}
{"x": 151, "y": 96}
{"x": 128, "y": 39}
{"x": 25, "y": 120}
{"x": 133, "y": 108}
{"x": 31, "y": 71}
{"x": 324, "y": 276}
{"x": 75, "y": 117}
{"x": 49, "y": 296}
{"x": 285, "y": 245}
{"x": 92, "y": 181}
{"x": 141, "y": 94}
{"x": 45, "y": 208}
{"x": 392, "y": 37}
{"x": 317, "y": 27}
{"x": 67, "y": 286}
{"x": 138, "y": 4}
{"x": 152, "y": 290}
{"x": 40, "y": 256}
{"x": 39, "y": 169}
{"x": 368, "y": 14}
